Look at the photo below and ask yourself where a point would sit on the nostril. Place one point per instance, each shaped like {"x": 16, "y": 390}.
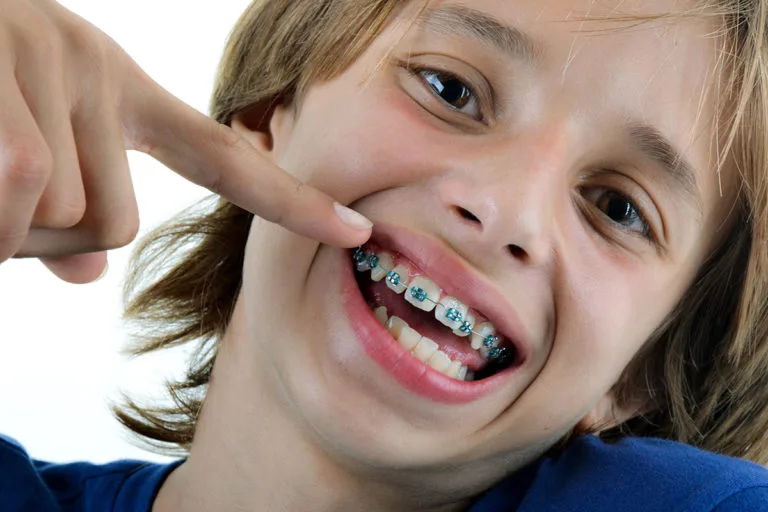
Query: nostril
{"x": 468, "y": 215}
{"x": 517, "y": 251}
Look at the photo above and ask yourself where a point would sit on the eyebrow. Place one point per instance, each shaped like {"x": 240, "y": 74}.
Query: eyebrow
{"x": 655, "y": 146}
{"x": 462, "y": 21}
{"x": 467, "y": 22}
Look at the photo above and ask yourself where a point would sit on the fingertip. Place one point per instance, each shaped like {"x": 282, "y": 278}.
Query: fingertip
{"x": 356, "y": 240}
{"x": 353, "y": 219}
{"x": 356, "y": 228}
{"x": 79, "y": 268}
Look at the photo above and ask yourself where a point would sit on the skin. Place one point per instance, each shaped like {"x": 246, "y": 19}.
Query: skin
{"x": 298, "y": 417}
{"x": 71, "y": 103}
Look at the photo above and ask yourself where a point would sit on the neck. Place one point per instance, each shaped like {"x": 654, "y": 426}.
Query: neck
{"x": 249, "y": 454}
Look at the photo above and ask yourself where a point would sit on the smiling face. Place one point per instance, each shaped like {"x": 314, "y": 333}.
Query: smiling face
{"x": 556, "y": 176}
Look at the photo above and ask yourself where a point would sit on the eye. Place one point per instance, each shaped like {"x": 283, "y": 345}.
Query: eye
{"x": 620, "y": 210}
{"x": 452, "y": 91}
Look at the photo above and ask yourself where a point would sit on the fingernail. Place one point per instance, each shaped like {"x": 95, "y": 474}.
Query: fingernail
{"x": 351, "y": 218}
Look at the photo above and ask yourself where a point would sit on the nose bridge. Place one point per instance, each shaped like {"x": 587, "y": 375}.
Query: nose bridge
{"x": 511, "y": 189}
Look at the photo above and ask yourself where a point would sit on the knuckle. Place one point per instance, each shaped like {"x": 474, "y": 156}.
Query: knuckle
{"x": 92, "y": 50}
{"x": 224, "y": 141}
{"x": 44, "y": 41}
{"x": 27, "y": 165}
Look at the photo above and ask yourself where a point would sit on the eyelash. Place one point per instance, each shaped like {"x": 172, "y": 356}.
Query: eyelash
{"x": 646, "y": 232}
{"x": 635, "y": 211}
{"x": 420, "y": 73}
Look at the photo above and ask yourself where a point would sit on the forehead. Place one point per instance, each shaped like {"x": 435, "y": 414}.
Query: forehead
{"x": 619, "y": 52}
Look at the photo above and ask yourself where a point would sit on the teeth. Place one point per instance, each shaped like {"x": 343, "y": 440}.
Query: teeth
{"x": 395, "y": 326}
{"x": 386, "y": 263}
{"x": 423, "y": 293}
{"x": 364, "y": 260}
{"x": 451, "y": 312}
{"x": 467, "y": 326}
{"x": 409, "y": 338}
{"x": 453, "y": 370}
{"x": 398, "y": 279}
{"x": 425, "y": 350}
{"x": 481, "y": 333}
{"x": 440, "y": 361}
{"x": 381, "y": 314}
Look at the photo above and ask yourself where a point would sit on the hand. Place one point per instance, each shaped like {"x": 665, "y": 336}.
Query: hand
{"x": 71, "y": 104}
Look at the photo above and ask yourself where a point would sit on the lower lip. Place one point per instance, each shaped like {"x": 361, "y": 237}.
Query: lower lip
{"x": 389, "y": 355}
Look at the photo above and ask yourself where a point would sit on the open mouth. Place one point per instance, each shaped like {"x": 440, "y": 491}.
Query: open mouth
{"x": 440, "y": 330}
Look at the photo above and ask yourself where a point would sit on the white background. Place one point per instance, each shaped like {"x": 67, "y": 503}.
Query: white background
{"x": 60, "y": 362}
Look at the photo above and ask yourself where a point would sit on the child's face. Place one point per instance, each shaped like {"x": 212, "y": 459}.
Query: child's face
{"x": 582, "y": 237}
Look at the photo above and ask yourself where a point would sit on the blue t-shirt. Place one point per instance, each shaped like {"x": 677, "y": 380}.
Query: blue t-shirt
{"x": 645, "y": 475}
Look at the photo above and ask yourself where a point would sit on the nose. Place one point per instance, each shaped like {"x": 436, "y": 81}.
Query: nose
{"x": 506, "y": 205}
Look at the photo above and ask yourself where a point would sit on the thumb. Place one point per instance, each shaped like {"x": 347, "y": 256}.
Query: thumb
{"x": 78, "y": 268}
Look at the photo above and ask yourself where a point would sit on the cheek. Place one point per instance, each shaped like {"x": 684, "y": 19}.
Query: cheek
{"x": 607, "y": 308}
{"x": 351, "y": 144}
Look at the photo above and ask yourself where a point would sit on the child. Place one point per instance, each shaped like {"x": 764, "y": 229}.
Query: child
{"x": 561, "y": 303}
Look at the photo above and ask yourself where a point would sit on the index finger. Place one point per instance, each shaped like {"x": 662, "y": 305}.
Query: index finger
{"x": 216, "y": 157}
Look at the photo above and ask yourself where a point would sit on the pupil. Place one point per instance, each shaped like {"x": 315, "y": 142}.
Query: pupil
{"x": 451, "y": 90}
{"x": 454, "y": 93}
{"x": 619, "y": 209}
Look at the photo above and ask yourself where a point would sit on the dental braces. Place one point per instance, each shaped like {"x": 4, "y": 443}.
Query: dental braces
{"x": 365, "y": 262}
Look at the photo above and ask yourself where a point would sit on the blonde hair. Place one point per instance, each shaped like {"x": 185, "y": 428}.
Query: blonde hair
{"x": 704, "y": 372}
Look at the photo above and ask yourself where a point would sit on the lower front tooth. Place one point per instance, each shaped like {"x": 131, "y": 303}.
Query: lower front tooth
{"x": 453, "y": 371}
{"x": 425, "y": 349}
{"x": 381, "y": 314}
{"x": 408, "y": 338}
{"x": 395, "y": 326}
{"x": 440, "y": 361}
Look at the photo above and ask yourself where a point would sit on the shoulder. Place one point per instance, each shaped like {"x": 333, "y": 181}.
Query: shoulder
{"x": 662, "y": 475}
{"x": 124, "y": 486}
{"x": 644, "y": 475}
{"x": 652, "y": 458}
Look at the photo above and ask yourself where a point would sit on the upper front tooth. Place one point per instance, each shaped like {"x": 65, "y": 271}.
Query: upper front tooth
{"x": 398, "y": 279}
{"x": 423, "y": 293}
{"x": 451, "y": 312}
{"x": 364, "y": 260}
{"x": 386, "y": 263}
{"x": 482, "y": 331}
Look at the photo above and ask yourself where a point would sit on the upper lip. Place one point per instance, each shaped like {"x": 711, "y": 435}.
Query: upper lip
{"x": 456, "y": 280}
